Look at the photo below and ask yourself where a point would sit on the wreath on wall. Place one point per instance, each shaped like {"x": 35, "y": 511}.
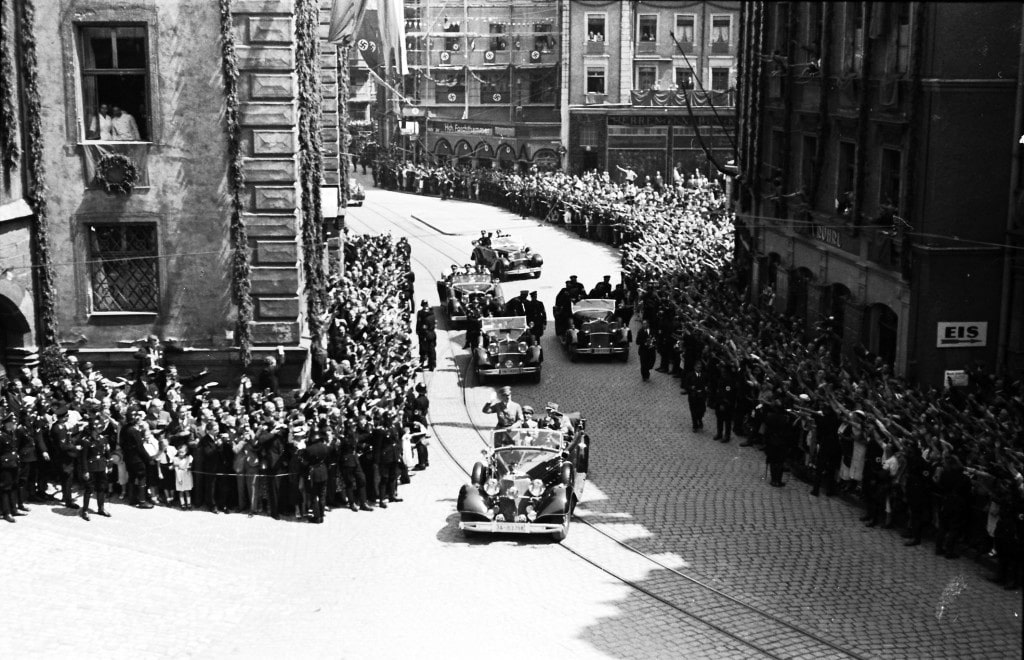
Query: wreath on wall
{"x": 117, "y": 174}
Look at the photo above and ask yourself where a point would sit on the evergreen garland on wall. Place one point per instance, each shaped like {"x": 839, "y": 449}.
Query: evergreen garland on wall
{"x": 307, "y": 45}
{"x": 47, "y": 329}
{"x": 344, "y": 139}
{"x": 241, "y": 281}
{"x": 10, "y": 149}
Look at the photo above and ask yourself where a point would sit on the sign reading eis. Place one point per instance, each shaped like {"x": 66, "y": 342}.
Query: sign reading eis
{"x": 967, "y": 334}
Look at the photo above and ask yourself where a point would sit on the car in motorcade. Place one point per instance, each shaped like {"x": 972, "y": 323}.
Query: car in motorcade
{"x": 356, "y": 193}
{"x": 529, "y": 482}
{"x": 506, "y": 350}
{"x": 595, "y": 330}
{"x": 507, "y": 257}
{"x": 458, "y": 288}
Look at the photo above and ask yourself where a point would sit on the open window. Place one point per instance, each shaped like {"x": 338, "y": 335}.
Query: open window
{"x": 596, "y": 28}
{"x": 115, "y": 82}
{"x": 647, "y": 28}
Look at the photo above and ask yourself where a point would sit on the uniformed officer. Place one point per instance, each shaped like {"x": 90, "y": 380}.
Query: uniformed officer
{"x": 646, "y": 349}
{"x": 696, "y": 384}
{"x": 828, "y": 452}
{"x": 536, "y": 314}
{"x": 96, "y": 443}
{"x": 8, "y": 469}
{"x": 563, "y": 308}
{"x": 517, "y": 306}
{"x": 725, "y": 405}
{"x": 352, "y": 477}
{"x": 315, "y": 458}
{"x": 602, "y": 289}
{"x": 509, "y": 413}
{"x": 65, "y": 438}
{"x": 424, "y": 317}
{"x": 387, "y": 455}
{"x": 473, "y": 325}
{"x": 31, "y": 450}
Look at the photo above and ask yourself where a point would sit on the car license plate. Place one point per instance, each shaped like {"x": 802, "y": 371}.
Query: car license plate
{"x": 602, "y": 351}
{"x": 520, "y": 528}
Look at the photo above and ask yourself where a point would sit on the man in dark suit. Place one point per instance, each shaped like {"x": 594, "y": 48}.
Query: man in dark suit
{"x": 517, "y": 306}
{"x": 315, "y": 457}
{"x": 696, "y": 384}
{"x": 428, "y": 347}
{"x": 387, "y": 456}
{"x": 725, "y": 405}
{"x": 646, "y": 349}
{"x": 270, "y": 447}
{"x": 536, "y": 314}
{"x": 133, "y": 437}
{"x": 778, "y": 432}
{"x": 206, "y": 464}
{"x": 31, "y": 451}
{"x": 828, "y": 453}
{"x": 352, "y": 476}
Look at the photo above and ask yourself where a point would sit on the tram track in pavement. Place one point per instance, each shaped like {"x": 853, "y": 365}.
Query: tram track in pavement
{"x": 731, "y": 617}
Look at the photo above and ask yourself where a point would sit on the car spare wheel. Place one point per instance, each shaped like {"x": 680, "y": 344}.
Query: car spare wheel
{"x": 479, "y": 474}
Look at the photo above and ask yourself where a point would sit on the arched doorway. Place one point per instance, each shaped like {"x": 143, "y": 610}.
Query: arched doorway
{"x": 880, "y": 333}
{"x": 16, "y": 330}
{"x": 463, "y": 154}
{"x": 442, "y": 151}
{"x": 484, "y": 155}
{"x": 506, "y": 157}
{"x": 799, "y": 280}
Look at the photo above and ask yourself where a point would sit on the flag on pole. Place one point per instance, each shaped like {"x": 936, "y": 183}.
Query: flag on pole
{"x": 368, "y": 39}
{"x": 346, "y": 15}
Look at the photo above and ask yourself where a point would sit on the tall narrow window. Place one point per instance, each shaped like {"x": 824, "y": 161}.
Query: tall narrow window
{"x": 889, "y": 188}
{"x": 844, "y": 178}
{"x": 808, "y": 154}
{"x": 498, "y": 41}
{"x": 903, "y": 37}
{"x": 542, "y": 39}
{"x": 123, "y": 268}
{"x": 453, "y": 43}
{"x": 685, "y": 31}
{"x": 646, "y": 77}
{"x": 854, "y": 42}
{"x": 595, "y": 28}
{"x": 114, "y": 83}
{"x": 720, "y": 79}
{"x": 595, "y": 80}
{"x": 647, "y": 28}
{"x": 721, "y": 34}
{"x": 684, "y": 78}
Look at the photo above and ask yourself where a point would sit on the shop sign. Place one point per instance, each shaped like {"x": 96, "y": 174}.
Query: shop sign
{"x": 956, "y": 378}
{"x": 505, "y": 131}
{"x": 968, "y": 334}
{"x": 450, "y": 127}
{"x": 828, "y": 235}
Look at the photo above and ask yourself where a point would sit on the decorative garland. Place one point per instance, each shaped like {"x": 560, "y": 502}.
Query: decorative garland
{"x": 307, "y": 47}
{"x": 117, "y": 174}
{"x": 10, "y": 149}
{"x": 47, "y": 330}
{"x": 241, "y": 280}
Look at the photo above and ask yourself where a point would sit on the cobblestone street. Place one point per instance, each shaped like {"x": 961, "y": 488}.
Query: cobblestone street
{"x": 404, "y": 583}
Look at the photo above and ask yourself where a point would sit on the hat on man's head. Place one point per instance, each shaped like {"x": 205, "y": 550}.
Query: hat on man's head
{"x": 524, "y": 292}
{"x": 504, "y": 389}
{"x": 424, "y": 303}
{"x": 552, "y": 409}
{"x": 421, "y": 388}
{"x": 62, "y": 411}
{"x": 528, "y": 409}
{"x": 607, "y": 277}
{"x": 572, "y": 277}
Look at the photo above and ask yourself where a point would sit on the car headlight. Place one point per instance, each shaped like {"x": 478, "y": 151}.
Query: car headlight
{"x": 492, "y": 349}
{"x": 521, "y": 518}
{"x": 536, "y": 260}
{"x": 512, "y": 492}
{"x": 490, "y": 513}
{"x": 536, "y": 488}
{"x": 522, "y": 347}
{"x": 531, "y": 513}
{"x": 500, "y": 517}
{"x": 491, "y": 487}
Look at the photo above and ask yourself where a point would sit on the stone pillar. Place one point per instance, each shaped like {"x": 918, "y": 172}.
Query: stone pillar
{"x": 625, "y": 54}
{"x": 268, "y": 115}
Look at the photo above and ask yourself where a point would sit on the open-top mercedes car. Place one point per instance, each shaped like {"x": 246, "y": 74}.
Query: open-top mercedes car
{"x": 506, "y": 349}
{"x": 529, "y": 483}
{"x": 595, "y": 330}
{"x": 456, "y": 290}
{"x": 356, "y": 194}
{"x": 507, "y": 257}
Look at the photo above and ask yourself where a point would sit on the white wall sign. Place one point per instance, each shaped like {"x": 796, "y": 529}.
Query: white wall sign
{"x": 966, "y": 334}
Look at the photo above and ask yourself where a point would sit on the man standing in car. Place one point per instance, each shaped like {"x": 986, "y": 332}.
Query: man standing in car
{"x": 536, "y": 314}
{"x": 508, "y": 412}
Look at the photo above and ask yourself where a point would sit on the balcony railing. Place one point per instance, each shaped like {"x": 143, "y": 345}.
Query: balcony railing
{"x": 697, "y": 99}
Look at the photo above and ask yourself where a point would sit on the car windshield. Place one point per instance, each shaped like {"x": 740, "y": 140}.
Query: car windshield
{"x": 525, "y": 461}
{"x": 506, "y": 244}
{"x": 526, "y": 437}
{"x": 483, "y": 279}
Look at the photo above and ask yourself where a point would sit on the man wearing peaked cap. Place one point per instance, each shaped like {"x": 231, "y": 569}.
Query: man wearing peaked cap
{"x": 536, "y": 314}
{"x": 8, "y": 469}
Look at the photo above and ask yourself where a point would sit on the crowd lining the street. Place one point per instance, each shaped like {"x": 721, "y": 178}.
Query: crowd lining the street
{"x": 947, "y": 461}
{"x": 160, "y": 437}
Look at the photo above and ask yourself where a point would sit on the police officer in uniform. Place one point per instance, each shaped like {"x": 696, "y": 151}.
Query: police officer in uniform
{"x": 352, "y": 477}
{"x": 8, "y": 469}
{"x": 517, "y": 306}
{"x": 602, "y": 289}
{"x": 315, "y": 457}
{"x": 646, "y": 349}
{"x": 65, "y": 439}
{"x": 537, "y": 315}
{"x": 96, "y": 442}
{"x": 387, "y": 455}
{"x": 696, "y": 384}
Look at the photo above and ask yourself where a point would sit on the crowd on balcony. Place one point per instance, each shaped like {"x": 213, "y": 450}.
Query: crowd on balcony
{"x": 947, "y": 460}
{"x": 72, "y": 436}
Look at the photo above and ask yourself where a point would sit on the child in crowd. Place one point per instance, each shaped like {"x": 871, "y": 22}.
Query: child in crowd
{"x": 183, "y": 477}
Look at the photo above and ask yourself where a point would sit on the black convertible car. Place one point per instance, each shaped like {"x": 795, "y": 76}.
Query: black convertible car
{"x": 530, "y": 482}
{"x": 457, "y": 289}
{"x": 593, "y": 329}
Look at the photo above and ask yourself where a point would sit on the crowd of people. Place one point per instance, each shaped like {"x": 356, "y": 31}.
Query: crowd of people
{"x": 73, "y": 436}
{"x": 948, "y": 460}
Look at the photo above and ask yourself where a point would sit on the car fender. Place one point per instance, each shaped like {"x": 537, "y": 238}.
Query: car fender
{"x": 470, "y": 500}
